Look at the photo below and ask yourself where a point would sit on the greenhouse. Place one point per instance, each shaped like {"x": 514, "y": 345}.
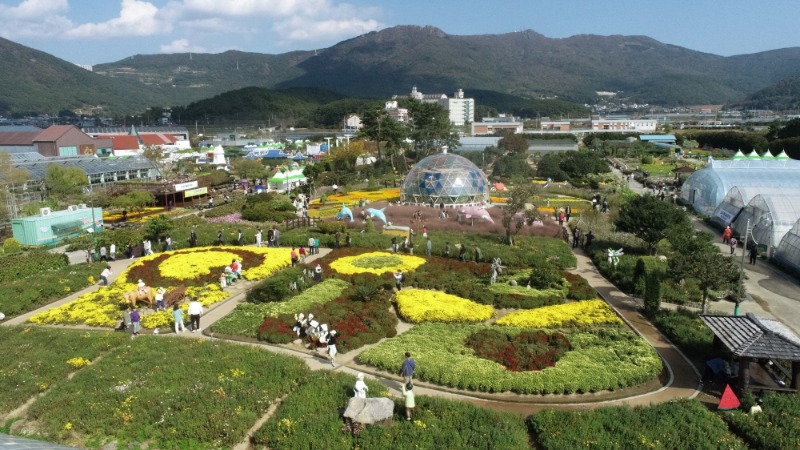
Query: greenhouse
{"x": 445, "y": 179}
{"x": 706, "y": 189}
{"x": 739, "y": 196}
{"x": 770, "y": 217}
{"x": 788, "y": 251}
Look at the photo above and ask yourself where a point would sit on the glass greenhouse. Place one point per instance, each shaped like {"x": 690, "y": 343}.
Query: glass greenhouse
{"x": 788, "y": 251}
{"x": 739, "y": 196}
{"x": 445, "y": 179}
{"x": 770, "y": 218}
{"x": 705, "y": 189}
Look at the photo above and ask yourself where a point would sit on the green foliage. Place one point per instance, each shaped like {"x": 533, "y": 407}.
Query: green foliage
{"x": 310, "y": 418}
{"x": 268, "y": 207}
{"x": 776, "y": 428}
{"x": 35, "y": 263}
{"x": 617, "y": 357}
{"x": 146, "y": 388}
{"x": 685, "y": 329}
{"x": 652, "y": 294}
{"x": 248, "y": 317}
{"x": 675, "y": 425}
{"x": 331, "y": 227}
{"x": 579, "y": 288}
{"x": 133, "y": 201}
{"x": 544, "y": 277}
{"x": 522, "y": 351}
{"x": 732, "y": 140}
{"x": 65, "y": 181}
{"x": 11, "y": 246}
{"x": 520, "y": 297}
{"x": 649, "y": 218}
{"x": 35, "y": 359}
{"x": 276, "y": 288}
{"x": 159, "y": 227}
{"x": 571, "y": 166}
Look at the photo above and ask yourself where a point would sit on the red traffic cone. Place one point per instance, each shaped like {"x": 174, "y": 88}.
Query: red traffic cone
{"x": 729, "y": 400}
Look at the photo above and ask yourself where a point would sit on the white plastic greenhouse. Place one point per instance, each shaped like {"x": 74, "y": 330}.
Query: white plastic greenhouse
{"x": 739, "y": 196}
{"x": 705, "y": 189}
{"x": 788, "y": 251}
{"x": 770, "y": 218}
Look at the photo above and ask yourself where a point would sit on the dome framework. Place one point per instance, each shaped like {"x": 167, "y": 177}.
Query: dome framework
{"x": 445, "y": 179}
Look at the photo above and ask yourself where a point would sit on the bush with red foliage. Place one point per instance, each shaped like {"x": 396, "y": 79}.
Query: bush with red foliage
{"x": 579, "y": 288}
{"x": 277, "y": 330}
{"x": 526, "y": 351}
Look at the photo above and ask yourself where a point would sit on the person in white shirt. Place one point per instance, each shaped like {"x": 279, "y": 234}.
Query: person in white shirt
{"x": 195, "y": 309}
{"x": 105, "y": 275}
{"x": 113, "y": 252}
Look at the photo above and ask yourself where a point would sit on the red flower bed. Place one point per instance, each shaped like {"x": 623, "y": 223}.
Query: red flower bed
{"x": 526, "y": 351}
{"x": 277, "y": 330}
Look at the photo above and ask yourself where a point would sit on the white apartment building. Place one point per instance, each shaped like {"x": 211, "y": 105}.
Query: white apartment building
{"x": 460, "y": 110}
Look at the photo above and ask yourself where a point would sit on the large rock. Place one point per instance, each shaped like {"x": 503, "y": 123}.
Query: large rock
{"x": 369, "y": 410}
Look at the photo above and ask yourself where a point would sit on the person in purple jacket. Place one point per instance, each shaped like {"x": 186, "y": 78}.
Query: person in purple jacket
{"x": 135, "y": 320}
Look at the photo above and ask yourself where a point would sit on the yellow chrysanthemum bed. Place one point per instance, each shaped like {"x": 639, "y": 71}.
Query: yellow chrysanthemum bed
{"x": 419, "y": 305}
{"x": 376, "y": 263}
{"x": 588, "y": 313}
{"x": 102, "y": 307}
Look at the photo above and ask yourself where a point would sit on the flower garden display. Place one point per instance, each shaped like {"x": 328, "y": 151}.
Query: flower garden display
{"x": 587, "y": 313}
{"x": 376, "y": 263}
{"x": 197, "y": 268}
{"x": 420, "y": 305}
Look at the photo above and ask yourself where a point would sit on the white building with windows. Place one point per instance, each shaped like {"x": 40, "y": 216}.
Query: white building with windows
{"x": 461, "y": 110}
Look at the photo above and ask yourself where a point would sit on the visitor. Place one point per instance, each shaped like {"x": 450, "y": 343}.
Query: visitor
{"x": 398, "y": 279}
{"x": 193, "y": 238}
{"x": 135, "y": 321}
{"x": 408, "y": 394}
{"x": 160, "y": 306}
{"x": 318, "y": 273}
{"x": 103, "y": 255}
{"x": 428, "y": 247}
{"x": 220, "y": 238}
{"x": 105, "y": 275}
{"x": 302, "y": 251}
{"x": 462, "y": 252}
{"x": 276, "y": 235}
{"x": 576, "y": 237}
{"x": 753, "y": 253}
{"x": 347, "y": 240}
{"x": 394, "y": 244}
{"x": 332, "y": 351}
{"x": 258, "y": 238}
{"x": 169, "y": 243}
{"x": 408, "y": 368}
{"x": 732, "y": 242}
{"x": 177, "y": 317}
{"x": 447, "y": 249}
{"x": 294, "y": 257}
{"x": 360, "y": 388}
{"x": 142, "y": 286}
{"x": 335, "y": 188}
{"x": 589, "y": 239}
{"x": 568, "y": 212}
{"x": 112, "y": 252}
{"x": 239, "y": 238}
{"x": 311, "y": 245}
{"x": 726, "y": 234}
{"x": 478, "y": 254}
{"x": 195, "y": 309}
{"x": 336, "y": 238}
{"x": 271, "y": 237}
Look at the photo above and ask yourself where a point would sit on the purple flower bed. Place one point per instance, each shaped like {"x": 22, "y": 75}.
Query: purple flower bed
{"x": 231, "y": 218}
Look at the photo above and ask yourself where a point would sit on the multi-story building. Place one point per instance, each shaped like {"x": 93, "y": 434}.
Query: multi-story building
{"x": 493, "y": 125}
{"x": 461, "y": 110}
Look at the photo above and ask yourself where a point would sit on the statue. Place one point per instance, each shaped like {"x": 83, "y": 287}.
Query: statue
{"x": 613, "y": 257}
{"x": 344, "y": 212}
{"x": 146, "y": 295}
{"x": 377, "y": 214}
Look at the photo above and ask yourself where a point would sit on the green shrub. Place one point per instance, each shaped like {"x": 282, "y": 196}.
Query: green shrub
{"x": 685, "y": 329}
{"x": 21, "y": 266}
{"x": 277, "y": 287}
{"x": 224, "y": 210}
{"x": 263, "y": 212}
{"x": 11, "y": 245}
{"x": 652, "y": 294}
{"x": 545, "y": 278}
{"x": 579, "y": 288}
{"x": 520, "y": 297}
{"x": 678, "y": 425}
{"x": 331, "y": 227}
{"x": 776, "y": 428}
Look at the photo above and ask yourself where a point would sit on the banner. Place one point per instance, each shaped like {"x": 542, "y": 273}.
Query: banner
{"x": 184, "y": 186}
{"x": 195, "y": 192}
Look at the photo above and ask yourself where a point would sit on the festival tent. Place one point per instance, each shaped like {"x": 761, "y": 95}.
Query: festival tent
{"x": 770, "y": 218}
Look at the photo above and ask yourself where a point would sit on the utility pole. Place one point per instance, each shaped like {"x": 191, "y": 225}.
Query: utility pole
{"x": 740, "y": 288}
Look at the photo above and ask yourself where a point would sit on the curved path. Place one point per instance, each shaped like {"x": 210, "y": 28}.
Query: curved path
{"x": 682, "y": 380}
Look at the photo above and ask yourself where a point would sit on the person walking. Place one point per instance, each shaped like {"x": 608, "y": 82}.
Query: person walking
{"x": 258, "y": 238}
{"x": 462, "y": 252}
{"x": 169, "y": 243}
{"x": 332, "y": 350}
{"x": 195, "y": 309}
{"x": 726, "y": 234}
{"x": 576, "y": 233}
{"x": 177, "y": 317}
{"x": 293, "y": 257}
{"x": 732, "y": 242}
{"x": 220, "y": 239}
{"x": 336, "y": 238}
{"x": 193, "y": 238}
{"x": 112, "y": 252}
{"x": 103, "y": 255}
{"x": 360, "y": 388}
{"x": 311, "y": 245}
{"x": 136, "y": 319}
{"x": 478, "y": 254}
{"x": 753, "y": 253}
{"x": 239, "y": 238}
{"x": 276, "y": 234}
{"x": 394, "y": 244}
{"x": 105, "y": 275}
{"x": 303, "y": 254}
{"x": 408, "y": 395}
{"x": 271, "y": 237}
{"x": 347, "y": 239}
{"x": 408, "y": 368}
{"x": 398, "y": 279}
{"x": 428, "y": 247}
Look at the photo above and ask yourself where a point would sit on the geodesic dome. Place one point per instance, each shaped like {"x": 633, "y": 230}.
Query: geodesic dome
{"x": 446, "y": 179}
{"x": 706, "y": 188}
{"x": 788, "y": 251}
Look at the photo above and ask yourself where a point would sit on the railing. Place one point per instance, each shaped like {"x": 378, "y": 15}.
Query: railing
{"x": 299, "y": 222}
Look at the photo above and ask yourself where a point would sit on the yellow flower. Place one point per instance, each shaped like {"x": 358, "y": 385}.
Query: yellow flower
{"x": 78, "y": 362}
{"x": 376, "y": 263}
{"x": 418, "y": 305}
{"x": 579, "y": 314}
{"x": 68, "y": 426}
{"x": 189, "y": 265}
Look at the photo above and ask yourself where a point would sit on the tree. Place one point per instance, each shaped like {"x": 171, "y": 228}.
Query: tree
{"x": 342, "y": 159}
{"x": 10, "y": 177}
{"x": 155, "y": 154}
{"x": 431, "y": 126}
{"x": 249, "y": 168}
{"x": 159, "y": 227}
{"x": 515, "y": 211}
{"x": 649, "y": 218}
{"x": 133, "y": 201}
{"x": 514, "y": 143}
{"x": 379, "y": 127}
{"x": 712, "y": 270}
{"x": 64, "y": 182}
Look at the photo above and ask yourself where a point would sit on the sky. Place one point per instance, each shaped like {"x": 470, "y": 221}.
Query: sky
{"x": 102, "y": 31}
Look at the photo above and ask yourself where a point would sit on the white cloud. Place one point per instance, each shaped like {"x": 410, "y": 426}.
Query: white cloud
{"x": 34, "y": 19}
{"x": 261, "y": 8}
{"x": 181, "y": 46}
{"x": 324, "y": 30}
{"x": 136, "y": 18}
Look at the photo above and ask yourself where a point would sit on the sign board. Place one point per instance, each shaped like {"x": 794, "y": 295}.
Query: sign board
{"x": 185, "y": 186}
{"x": 725, "y": 216}
{"x": 195, "y": 192}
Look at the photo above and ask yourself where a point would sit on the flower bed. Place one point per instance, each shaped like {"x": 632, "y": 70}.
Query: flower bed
{"x": 151, "y": 392}
{"x": 353, "y": 197}
{"x": 589, "y": 313}
{"x": 419, "y": 305}
{"x": 601, "y": 359}
{"x": 526, "y": 350}
{"x": 102, "y": 307}
{"x": 521, "y": 297}
{"x": 248, "y": 317}
{"x": 376, "y": 263}
{"x": 310, "y": 418}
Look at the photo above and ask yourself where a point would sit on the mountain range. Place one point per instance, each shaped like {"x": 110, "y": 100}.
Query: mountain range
{"x": 379, "y": 64}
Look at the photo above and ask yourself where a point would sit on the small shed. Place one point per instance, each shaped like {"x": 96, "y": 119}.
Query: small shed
{"x": 756, "y": 340}
{"x": 50, "y": 227}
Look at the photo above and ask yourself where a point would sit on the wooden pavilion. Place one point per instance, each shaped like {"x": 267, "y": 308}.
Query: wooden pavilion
{"x": 756, "y": 342}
